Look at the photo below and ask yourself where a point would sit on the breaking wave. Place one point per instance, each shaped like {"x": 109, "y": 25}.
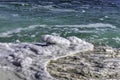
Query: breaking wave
{"x": 95, "y": 25}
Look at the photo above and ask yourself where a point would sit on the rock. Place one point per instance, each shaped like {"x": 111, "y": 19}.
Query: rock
{"x": 109, "y": 50}
{"x": 77, "y": 43}
{"x": 75, "y": 40}
{"x": 94, "y": 65}
{"x": 25, "y": 63}
{"x": 56, "y": 40}
{"x": 17, "y": 41}
{"x": 8, "y": 75}
{"x": 29, "y": 61}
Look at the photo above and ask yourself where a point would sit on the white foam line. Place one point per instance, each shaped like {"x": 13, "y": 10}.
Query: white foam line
{"x": 116, "y": 38}
{"x": 96, "y": 25}
{"x": 63, "y": 10}
{"x": 18, "y": 30}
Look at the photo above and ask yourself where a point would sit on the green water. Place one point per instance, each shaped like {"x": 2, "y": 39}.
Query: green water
{"x": 28, "y": 23}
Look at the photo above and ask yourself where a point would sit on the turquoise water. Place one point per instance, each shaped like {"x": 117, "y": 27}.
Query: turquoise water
{"x": 27, "y": 23}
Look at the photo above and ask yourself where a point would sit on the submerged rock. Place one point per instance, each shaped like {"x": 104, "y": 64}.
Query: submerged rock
{"x": 28, "y": 61}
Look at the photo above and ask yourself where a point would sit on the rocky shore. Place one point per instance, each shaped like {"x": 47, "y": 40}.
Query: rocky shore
{"x": 103, "y": 63}
{"x": 58, "y": 59}
{"x": 28, "y": 61}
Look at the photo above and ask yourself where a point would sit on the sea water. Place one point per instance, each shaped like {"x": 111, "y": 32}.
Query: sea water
{"x": 26, "y": 23}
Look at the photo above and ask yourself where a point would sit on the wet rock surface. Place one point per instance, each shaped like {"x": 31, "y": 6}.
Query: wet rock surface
{"x": 28, "y": 61}
{"x": 103, "y": 63}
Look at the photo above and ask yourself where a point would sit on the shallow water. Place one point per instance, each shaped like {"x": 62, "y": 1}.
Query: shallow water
{"x": 25, "y": 23}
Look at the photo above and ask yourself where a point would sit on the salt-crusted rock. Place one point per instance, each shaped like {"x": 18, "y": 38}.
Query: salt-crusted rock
{"x": 78, "y": 44}
{"x": 29, "y": 60}
{"x": 109, "y": 50}
{"x": 26, "y": 62}
{"x": 5, "y": 49}
{"x": 75, "y": 40}
{"x": 55, "y": 40}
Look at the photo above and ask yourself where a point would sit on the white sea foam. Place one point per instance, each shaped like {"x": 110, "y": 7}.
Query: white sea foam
{"x": 117, "y": 39}
{"x": 95, "y": 25}
{"x": 51, "y": 8}
{"x": 18, "y": 30}
{"x": 63, "y": 10}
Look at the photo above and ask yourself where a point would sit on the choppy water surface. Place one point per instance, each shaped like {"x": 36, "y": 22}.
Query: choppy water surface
{"x": 25, "y": 23}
